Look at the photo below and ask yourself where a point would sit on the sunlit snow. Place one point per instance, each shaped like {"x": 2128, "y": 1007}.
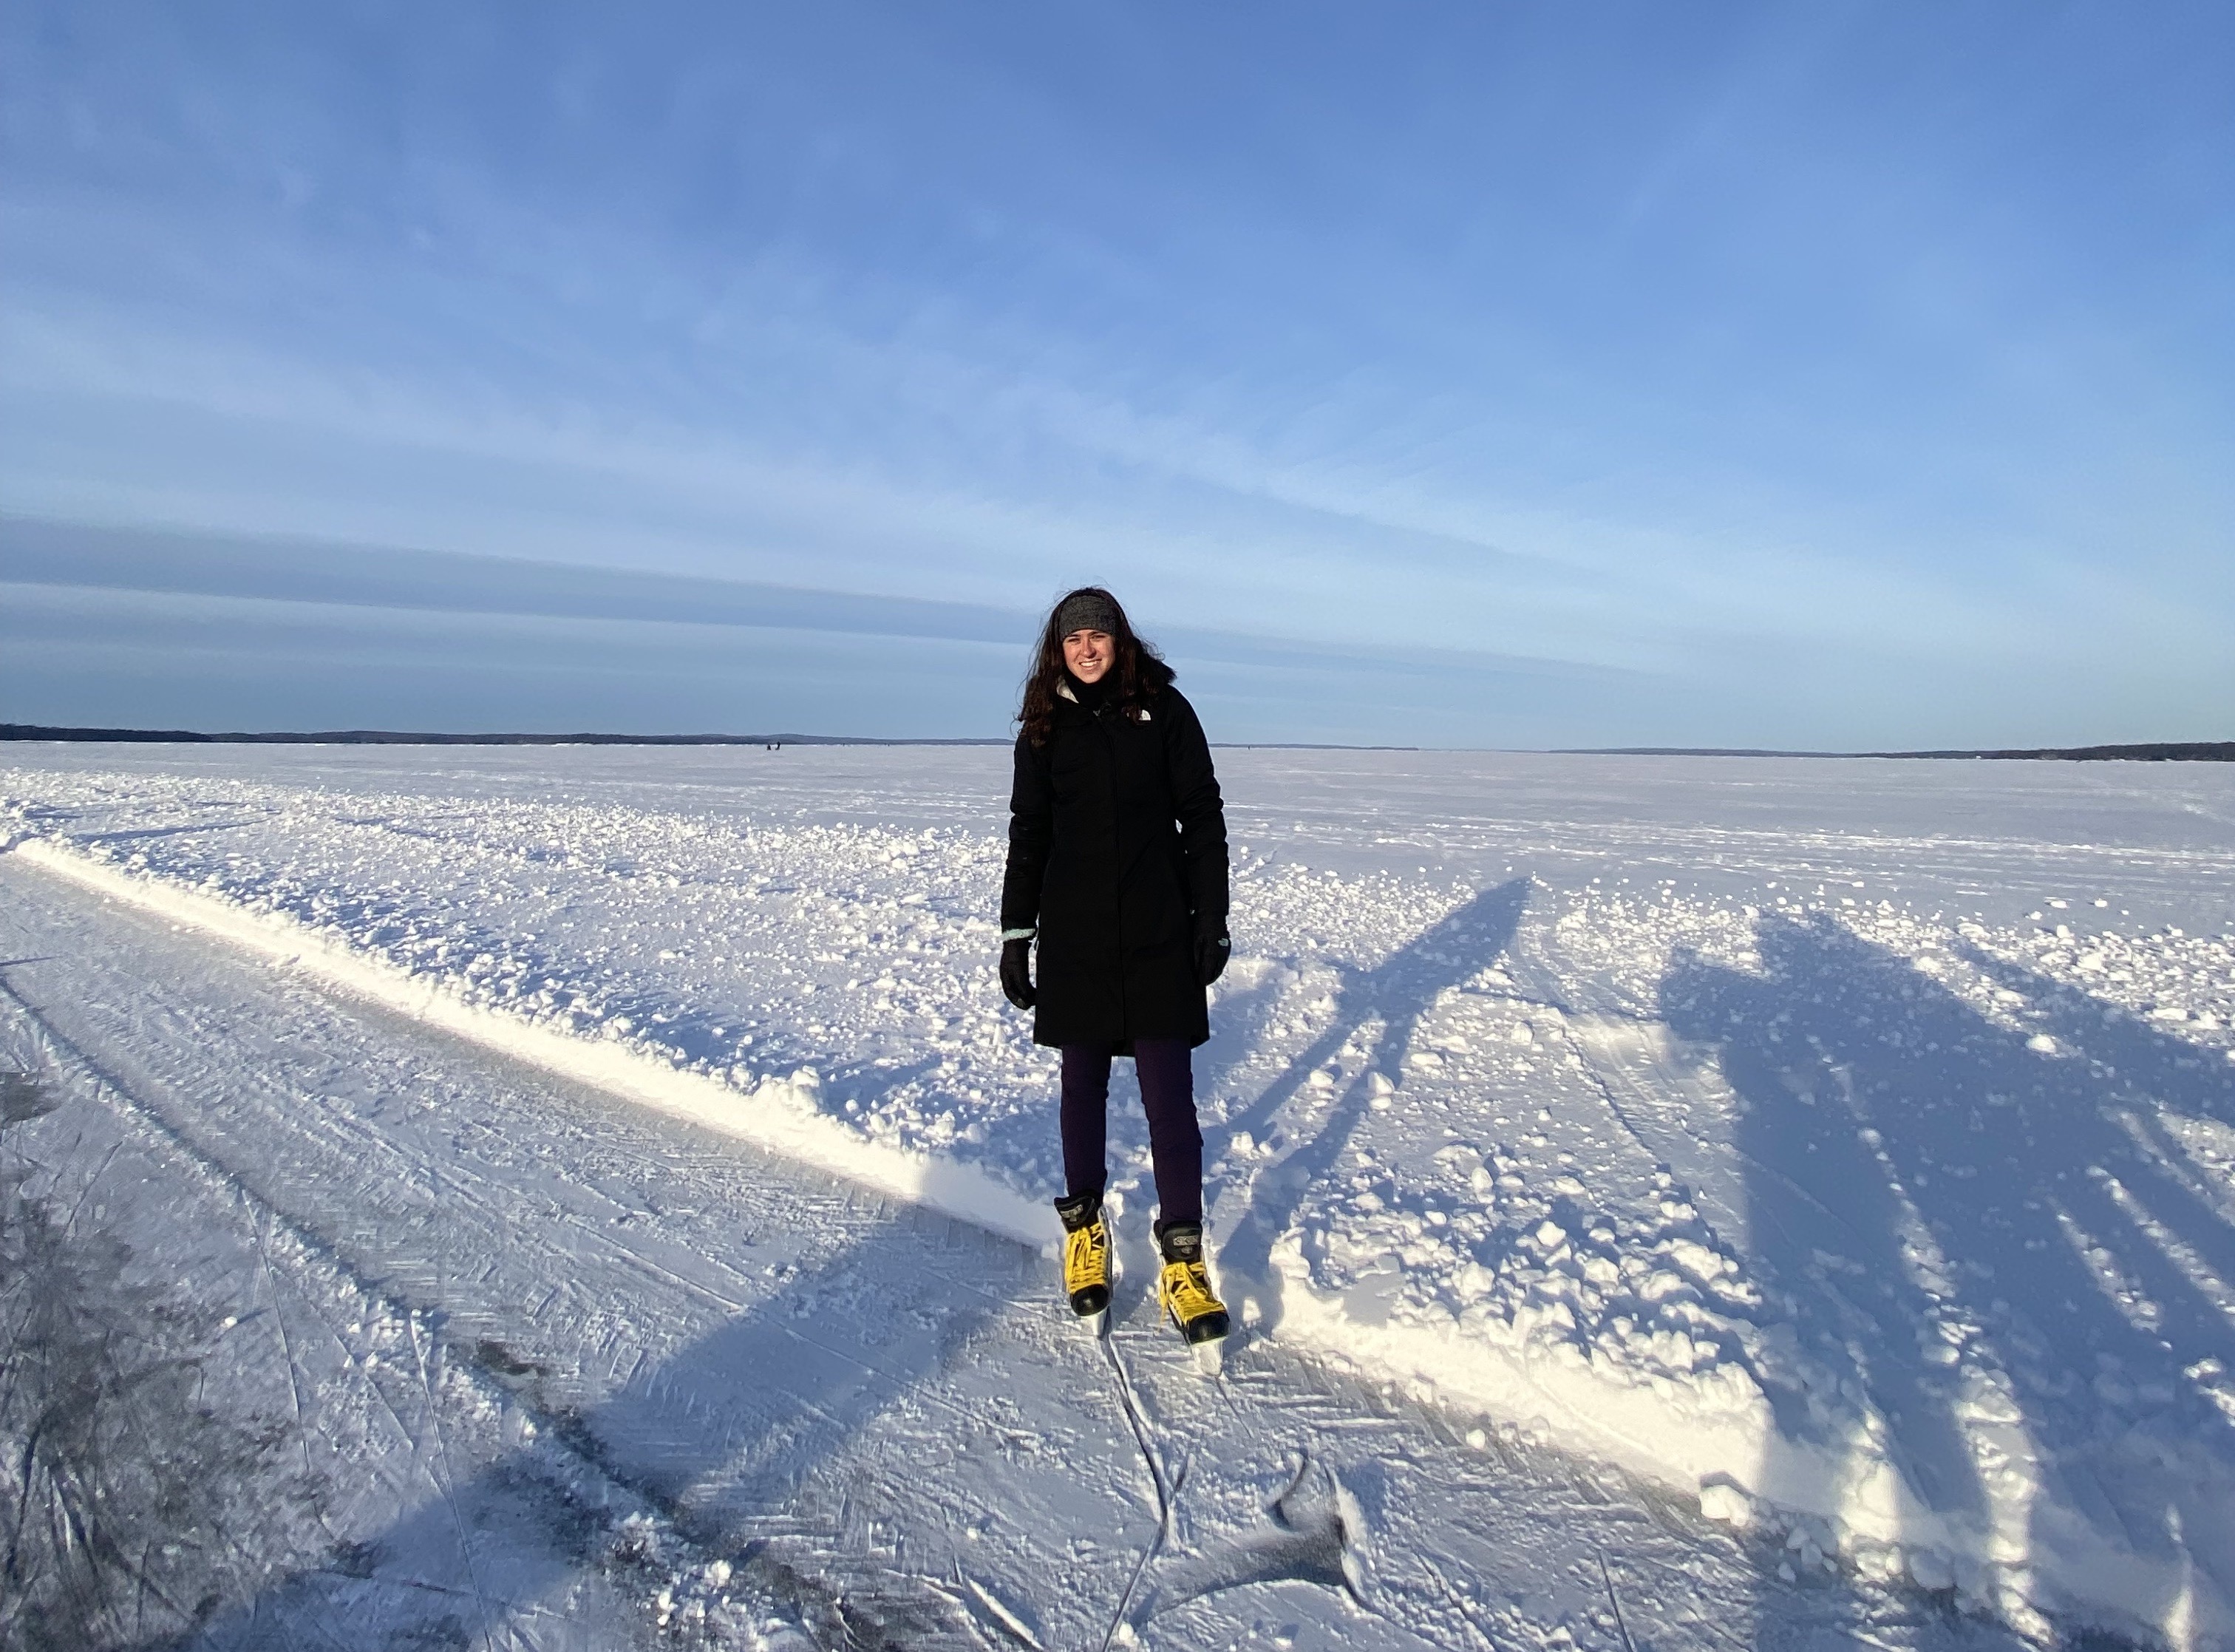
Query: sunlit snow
{"x": 602, "y": 1189}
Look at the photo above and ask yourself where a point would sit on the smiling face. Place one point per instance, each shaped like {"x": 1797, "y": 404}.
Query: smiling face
{"x": 1088, "y": 654}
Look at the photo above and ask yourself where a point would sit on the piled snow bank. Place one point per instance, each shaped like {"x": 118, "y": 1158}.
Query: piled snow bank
{"x": 778, "y": 1113}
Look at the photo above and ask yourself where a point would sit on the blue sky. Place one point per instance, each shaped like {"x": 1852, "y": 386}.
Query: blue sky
{"x": 1820, "y": 375}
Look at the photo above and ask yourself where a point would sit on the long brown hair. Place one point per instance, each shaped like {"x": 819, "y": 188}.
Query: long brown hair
{"x": 1140, "y": 670}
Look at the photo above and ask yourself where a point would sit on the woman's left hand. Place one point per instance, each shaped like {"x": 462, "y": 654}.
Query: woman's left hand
{"x": 1212, "y": 948}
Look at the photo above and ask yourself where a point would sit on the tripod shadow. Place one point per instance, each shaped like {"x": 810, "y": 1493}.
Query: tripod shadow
{"x": 1391, "y": 997}
{"x": 1950, "y": 1202}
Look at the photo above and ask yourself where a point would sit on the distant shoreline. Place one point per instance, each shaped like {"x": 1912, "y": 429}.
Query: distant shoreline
{"x": 2160, "y": 752}
{"x": 2171, "y": 751}
{"x": 388, "y": 737}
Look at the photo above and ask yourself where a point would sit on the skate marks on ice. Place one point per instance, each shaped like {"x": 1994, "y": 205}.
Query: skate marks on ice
{"x": 1319, "y": 1507}
{"x": 1311, "y": 1532}
{"x": 738, "y": 1551}
{"x": 26, "y": 1096}
{"x": 172, "y": 1465}
{"x": 1307, "y": 1532}
{"x": 127, "y": 1506}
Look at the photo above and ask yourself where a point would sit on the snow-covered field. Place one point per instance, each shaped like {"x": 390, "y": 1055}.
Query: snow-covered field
{"x": 513, "y": 1194}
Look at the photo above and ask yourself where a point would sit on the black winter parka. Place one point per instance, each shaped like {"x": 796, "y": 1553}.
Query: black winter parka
{"x": 1116, "y": 847}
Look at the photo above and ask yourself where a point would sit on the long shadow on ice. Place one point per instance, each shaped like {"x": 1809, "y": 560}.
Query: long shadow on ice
{"x": 2142, "y": 1070}
{"x": 715, "y": 1440}
{"x": 1390, "y": 1000}
{"x": 1945, "y": 1201}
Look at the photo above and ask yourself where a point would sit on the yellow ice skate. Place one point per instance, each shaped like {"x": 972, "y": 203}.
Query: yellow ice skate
{"x": 1183, "y": 1288}
{"x": 1085, "y": 1255}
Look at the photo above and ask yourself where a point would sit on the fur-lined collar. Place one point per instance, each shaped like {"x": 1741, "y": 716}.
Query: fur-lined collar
{"x": 1063, "y": 688}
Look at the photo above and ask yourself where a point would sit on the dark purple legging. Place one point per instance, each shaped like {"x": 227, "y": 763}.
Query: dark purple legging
{"x": 1167, "y": 1095}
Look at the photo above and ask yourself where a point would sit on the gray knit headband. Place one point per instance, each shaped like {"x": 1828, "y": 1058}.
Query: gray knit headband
{"x": 1087, "y": 611}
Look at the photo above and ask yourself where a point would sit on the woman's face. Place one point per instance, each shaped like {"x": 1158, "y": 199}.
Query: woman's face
{"x": 1088, "y": 653}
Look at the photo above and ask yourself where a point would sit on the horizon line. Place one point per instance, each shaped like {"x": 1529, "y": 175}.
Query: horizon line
{"x": 2146, "y": 751}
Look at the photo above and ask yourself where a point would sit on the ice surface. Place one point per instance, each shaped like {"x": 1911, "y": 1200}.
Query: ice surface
{"x": 1848, "y": 1146}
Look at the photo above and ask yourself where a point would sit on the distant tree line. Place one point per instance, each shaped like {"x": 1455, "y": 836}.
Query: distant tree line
{"x": 2159, "y": 752}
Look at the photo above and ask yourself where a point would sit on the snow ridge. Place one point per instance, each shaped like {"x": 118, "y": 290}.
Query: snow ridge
{"x": 776, "y": 1112}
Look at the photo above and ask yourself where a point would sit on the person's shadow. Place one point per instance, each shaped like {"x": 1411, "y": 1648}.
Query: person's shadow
{"x": 1989, "y": 1240}
{"x": 1388, "y": 999}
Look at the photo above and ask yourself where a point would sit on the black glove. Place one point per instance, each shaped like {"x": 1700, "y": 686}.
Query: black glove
{"x": 1017, "y": 972}
{"x": 1212, "y": 948}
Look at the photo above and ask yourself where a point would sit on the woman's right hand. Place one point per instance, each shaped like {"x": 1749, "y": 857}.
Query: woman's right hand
{"x": 1017, "y": 972}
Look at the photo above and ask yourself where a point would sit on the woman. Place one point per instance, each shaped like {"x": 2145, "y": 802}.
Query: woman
{"x": 1117, "y": 867}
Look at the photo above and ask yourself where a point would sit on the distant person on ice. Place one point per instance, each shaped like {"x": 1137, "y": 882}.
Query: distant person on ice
{"x": 1117, "y": 866}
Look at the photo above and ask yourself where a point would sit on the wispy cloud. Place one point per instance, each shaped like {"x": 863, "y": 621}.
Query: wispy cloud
{"x": 171, "y": 625}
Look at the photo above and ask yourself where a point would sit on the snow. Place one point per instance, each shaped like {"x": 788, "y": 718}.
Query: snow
{"x": 1845, "y": 1148}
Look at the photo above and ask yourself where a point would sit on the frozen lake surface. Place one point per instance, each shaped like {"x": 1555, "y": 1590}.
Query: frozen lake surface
{"x": 590, "y": 1197}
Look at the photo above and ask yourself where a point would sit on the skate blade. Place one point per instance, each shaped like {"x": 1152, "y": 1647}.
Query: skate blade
{"x": 1210, "y": 1357}
{"x": 1096, "y": 1324}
